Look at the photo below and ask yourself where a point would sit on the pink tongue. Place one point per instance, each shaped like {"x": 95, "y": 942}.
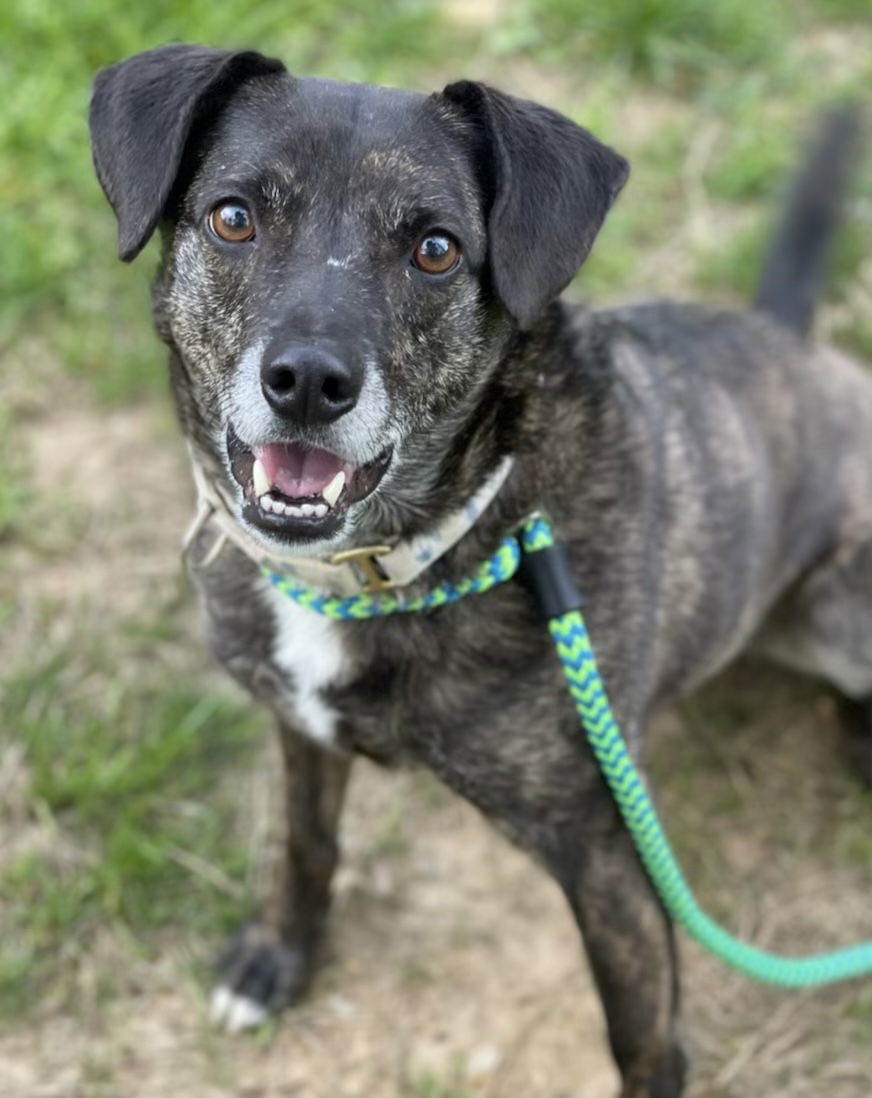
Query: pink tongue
{"x": 298, "y": 472}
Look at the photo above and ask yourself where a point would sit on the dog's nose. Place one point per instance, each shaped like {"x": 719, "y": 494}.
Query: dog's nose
{"x": 309, "y": 385}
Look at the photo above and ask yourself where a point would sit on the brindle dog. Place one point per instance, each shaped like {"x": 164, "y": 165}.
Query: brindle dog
{"x": 363, "y": 281}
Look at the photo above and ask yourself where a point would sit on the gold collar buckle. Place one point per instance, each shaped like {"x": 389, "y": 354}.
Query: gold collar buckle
{"x": 364, "y": 561}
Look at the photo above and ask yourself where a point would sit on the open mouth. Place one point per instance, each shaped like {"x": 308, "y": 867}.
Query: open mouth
{"x": 294, "y": 491}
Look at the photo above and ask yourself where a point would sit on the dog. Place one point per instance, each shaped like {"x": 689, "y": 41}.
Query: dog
{"x": 359, "y": 288}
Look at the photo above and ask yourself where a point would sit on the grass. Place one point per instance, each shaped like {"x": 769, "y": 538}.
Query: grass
{"x": 121, "y": 774}
{"x": 430, "y": 1086}
{"x": 13, "y": 482}
{"x": 671, "y": 42}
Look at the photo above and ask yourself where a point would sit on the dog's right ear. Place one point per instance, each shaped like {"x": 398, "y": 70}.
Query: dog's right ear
{"x": 142, "y": 113}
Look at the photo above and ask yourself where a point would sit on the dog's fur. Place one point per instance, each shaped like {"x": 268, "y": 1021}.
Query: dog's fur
{"x": 709, "y": 472}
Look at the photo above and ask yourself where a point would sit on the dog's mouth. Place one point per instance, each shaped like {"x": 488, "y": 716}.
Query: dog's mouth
{"x": 298, "y": 492}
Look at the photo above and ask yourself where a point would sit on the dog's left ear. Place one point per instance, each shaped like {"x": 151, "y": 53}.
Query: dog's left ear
{"x": 551, "y": 185}
{"x": 143, "y": 111}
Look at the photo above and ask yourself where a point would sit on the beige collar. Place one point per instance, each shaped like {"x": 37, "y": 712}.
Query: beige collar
{"x": 350, "y": 571}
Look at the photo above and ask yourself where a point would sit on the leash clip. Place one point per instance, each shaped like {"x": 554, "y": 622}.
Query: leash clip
{"x": 546, "y": 569}
{"x": 364, "y": 561}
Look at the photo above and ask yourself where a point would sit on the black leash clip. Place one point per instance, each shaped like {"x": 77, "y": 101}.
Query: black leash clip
{"x": 547, "y": 573}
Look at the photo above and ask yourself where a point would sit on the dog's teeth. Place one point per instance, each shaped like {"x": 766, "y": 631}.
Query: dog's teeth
{"x": 275, "y": 506}
{"x": 334, "y": 489}
{"x": 261, "y": 480}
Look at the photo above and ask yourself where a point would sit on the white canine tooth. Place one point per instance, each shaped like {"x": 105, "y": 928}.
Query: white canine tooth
{"x": 261, "y": 480}
{"x": 320, "y": 510}
{"x": 334, "y": 489}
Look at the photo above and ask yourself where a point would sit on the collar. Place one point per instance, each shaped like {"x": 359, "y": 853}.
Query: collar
{"x": 362, "y": 570}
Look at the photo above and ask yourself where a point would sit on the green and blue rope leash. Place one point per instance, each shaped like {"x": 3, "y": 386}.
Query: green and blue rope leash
{"x": 547, "y": 569}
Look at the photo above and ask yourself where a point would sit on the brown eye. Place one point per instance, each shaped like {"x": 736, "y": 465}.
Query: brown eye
{"x": 436, "y": 253}
{"x": 232, "y": 221}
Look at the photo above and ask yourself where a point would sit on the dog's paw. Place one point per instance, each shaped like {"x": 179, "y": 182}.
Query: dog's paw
{"x": 659, "y": 1074}
{"x": 258, "y": 976}
{"x": 233, "y": 1012}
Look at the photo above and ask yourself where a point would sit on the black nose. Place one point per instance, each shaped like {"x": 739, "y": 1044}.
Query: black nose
{"x": 308, "y": 384}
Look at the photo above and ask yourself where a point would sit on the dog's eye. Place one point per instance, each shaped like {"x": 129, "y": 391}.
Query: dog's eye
{"x": 232, "y": 221}
{"x": 436, "y": 253}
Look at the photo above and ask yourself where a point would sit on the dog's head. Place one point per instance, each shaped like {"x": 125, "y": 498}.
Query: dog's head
{"x": 344, "y": 266}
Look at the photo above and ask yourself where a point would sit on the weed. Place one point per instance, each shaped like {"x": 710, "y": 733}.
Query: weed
{"x": 127, "y": 825}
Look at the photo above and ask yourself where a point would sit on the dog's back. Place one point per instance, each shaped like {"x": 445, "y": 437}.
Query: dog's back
{"x": 754, "y": 434}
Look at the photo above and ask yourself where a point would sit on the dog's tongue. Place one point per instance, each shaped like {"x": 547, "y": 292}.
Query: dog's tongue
{"x": 297, "y": 471}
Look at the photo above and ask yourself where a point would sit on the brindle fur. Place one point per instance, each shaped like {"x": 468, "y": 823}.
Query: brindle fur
{"x": 708, "y": 471}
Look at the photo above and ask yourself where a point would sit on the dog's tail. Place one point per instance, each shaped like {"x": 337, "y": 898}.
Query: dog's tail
{"x": 796, "y": 264}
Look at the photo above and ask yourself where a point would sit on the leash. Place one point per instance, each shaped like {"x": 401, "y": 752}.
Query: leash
{"x": 546, "y": 567}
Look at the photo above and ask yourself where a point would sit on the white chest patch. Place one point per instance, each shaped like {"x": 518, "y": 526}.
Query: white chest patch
{"x": 309, "y": 647}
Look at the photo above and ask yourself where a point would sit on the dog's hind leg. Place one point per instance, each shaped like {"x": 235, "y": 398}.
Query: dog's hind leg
{"x": 824, "y": 627}
{"x": 268, "y": 963}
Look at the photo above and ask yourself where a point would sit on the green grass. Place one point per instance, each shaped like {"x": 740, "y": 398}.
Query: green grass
{"x": 670, "y": 42}
{"x": 432, "y": 1086}
{"x": 855, "y": 336}
{"x": 13, "y": 478}
{"x": 123, "y": 773}
{"x": 60, "y": 277}
{"x": 731, "y": 268}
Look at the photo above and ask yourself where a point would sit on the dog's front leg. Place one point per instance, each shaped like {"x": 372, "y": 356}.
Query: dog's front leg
{"x": 268, "y": 964}
{"x": 543, "y": 789}
{"x": 631, "y": 949}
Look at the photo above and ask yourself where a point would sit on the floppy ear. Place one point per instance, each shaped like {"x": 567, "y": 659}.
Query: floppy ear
{"x": 142, "y": 113}
{"x": 551, "y": 183}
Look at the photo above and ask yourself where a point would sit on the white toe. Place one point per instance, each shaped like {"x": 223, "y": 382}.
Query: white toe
{"x": 219, "y": 1007}
{"x": 244, "y": 1014}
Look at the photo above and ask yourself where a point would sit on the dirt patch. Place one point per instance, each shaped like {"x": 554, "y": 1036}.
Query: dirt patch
{"x": 114, "y": 492}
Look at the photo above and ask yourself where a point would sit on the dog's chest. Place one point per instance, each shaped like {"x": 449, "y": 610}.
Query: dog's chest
{"x": 309, "y": 650}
